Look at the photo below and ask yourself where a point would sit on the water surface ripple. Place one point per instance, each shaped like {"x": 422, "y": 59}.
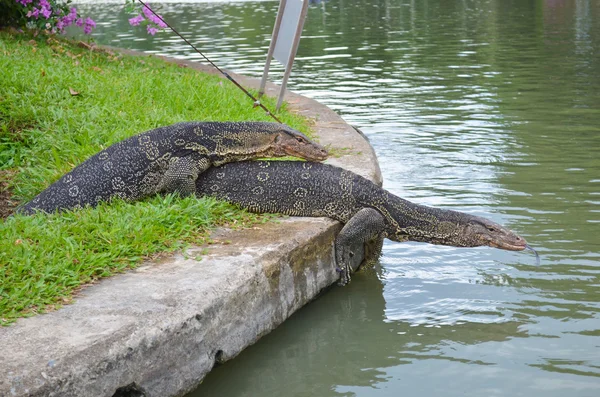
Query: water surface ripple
{"x": 490, "y": 107}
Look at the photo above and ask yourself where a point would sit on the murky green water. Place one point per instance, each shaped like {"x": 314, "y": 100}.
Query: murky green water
{"x": 489, "y": 107}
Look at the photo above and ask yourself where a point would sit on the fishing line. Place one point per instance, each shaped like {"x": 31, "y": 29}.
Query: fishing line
{"x": 224, "y": 73}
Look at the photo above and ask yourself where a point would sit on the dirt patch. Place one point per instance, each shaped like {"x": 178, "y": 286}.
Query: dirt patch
{"x": 7, "y": 204}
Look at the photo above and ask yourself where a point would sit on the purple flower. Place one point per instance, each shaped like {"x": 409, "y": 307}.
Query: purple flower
{"x": 35, "y": 13}
{"x": 70, "y": 18}
{"x": 67, "y": 20}
{"x": 151, "y": 30}
{"x": 89, "y": 25}
{"x": 157, "y": 19}
{"x": 148, "y": 13}
{"x": 135, "y": 21}
{"x": 56, "y": 13}
{"x": 46, "y": 12}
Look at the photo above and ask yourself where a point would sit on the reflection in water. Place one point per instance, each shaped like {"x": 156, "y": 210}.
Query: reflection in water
{"x": 344, "y": 344}
{"x": 490, "y": 107}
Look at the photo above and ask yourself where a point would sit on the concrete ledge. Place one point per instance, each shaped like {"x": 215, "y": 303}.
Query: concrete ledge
{"x": 158, "y": 330}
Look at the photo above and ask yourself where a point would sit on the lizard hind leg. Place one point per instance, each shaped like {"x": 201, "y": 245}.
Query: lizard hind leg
{"x": 365, "y": 226}
{"x": 181, "y": 176}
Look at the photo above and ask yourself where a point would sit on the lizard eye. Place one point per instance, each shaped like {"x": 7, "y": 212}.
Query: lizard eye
{"x": 491, "y": 228}
{"x": 299, "y": 139}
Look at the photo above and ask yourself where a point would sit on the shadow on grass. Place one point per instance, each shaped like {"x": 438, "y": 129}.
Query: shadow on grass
{"x": 7, "y": 204}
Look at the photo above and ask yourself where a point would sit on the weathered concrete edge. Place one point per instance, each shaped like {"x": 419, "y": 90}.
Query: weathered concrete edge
{"x": 162, "y": 327}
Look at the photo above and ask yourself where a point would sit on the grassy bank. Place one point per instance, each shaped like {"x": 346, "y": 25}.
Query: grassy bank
{"x": 61, "y": 103}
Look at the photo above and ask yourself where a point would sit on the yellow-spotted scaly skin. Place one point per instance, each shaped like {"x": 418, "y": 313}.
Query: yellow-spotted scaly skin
{"x": 169, "y": 159}
{"x": 369, "y": 212}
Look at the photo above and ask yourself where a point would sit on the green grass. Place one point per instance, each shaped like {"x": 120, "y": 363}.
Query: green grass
{"x": 45, "y": 131}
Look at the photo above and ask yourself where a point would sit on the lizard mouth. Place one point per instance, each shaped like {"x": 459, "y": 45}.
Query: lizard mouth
{"x": 318, "y": 154}
{"x": 516, "y": 244}
{"x": 507, "y": 246}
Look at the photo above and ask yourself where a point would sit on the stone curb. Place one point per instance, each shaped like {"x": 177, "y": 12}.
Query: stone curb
{"x": 158, "y": 330}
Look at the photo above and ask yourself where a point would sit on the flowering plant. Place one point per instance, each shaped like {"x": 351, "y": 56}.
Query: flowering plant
{"x": 53, "y": 15}
{"x": 146, "y": 17}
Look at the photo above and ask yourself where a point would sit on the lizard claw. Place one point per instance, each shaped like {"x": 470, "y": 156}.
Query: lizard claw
{"x": 344, "y": 275}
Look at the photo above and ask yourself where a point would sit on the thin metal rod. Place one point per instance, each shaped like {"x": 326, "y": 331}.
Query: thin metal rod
{"x": 256, "y": 101}
{"x": 263, "y": 81}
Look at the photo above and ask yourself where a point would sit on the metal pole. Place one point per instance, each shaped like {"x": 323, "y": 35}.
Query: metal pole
{"x": 290, "y": 62}
{"x": 263, "y": 82}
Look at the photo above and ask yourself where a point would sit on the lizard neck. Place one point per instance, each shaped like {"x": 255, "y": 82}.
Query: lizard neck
{"x": 415, "y": 222}
{"x": 241, "y": 155}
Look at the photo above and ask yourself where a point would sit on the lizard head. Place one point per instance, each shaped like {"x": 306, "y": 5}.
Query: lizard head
{"x": 458, "y": 229}
{"x": 480, "y": 231}
{"x": 290, "y": 142}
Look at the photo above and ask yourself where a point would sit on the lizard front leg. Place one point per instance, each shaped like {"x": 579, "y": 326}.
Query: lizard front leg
{"x": 373, "y": 250}
{"x": 181, "y": 175}
{"x": 366, "y": 225}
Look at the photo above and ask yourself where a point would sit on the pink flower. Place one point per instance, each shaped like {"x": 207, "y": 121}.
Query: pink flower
{"x": 24, "y": 2}
{"x": 135, "y": 21}
{"x": 151, "y": 30}
{"x": 79, "y": 22}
